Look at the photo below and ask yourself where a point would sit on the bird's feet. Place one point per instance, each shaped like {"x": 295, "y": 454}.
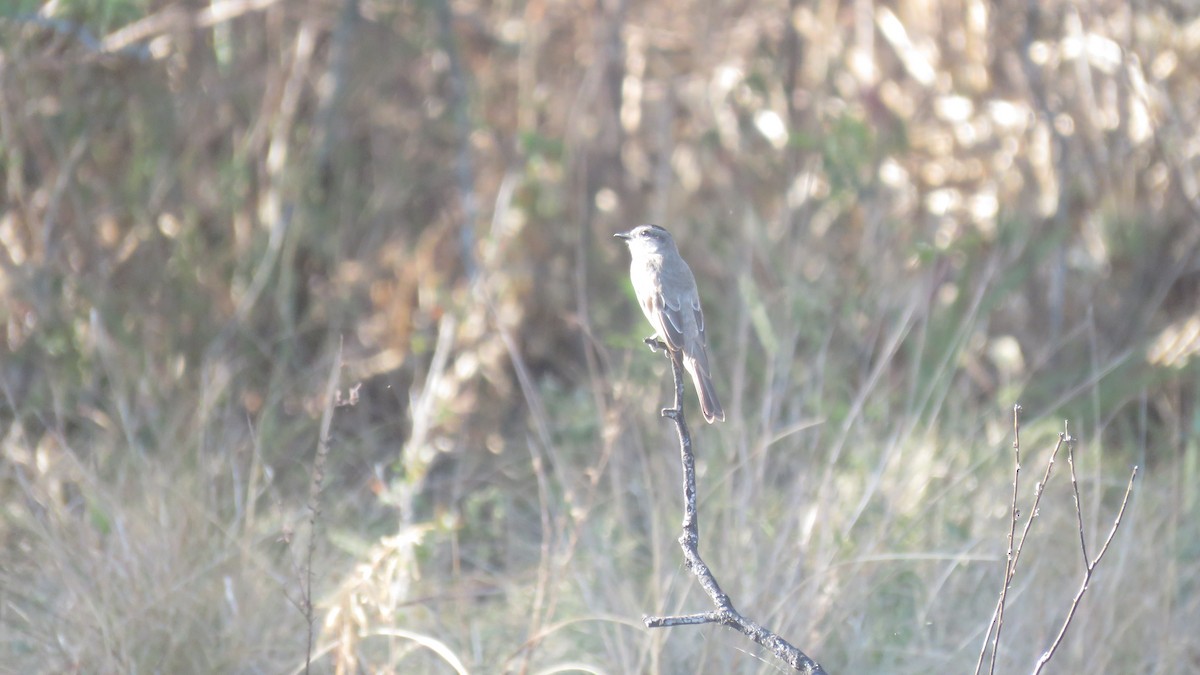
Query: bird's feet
{"x": 655, "y": 344}
{"x": 672, "y": 413}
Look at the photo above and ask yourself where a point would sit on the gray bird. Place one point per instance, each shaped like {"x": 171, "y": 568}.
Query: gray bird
{"x": 666, "y": 290}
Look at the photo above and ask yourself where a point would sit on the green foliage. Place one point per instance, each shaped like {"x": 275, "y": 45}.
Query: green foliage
{"x": 847, "y": 149}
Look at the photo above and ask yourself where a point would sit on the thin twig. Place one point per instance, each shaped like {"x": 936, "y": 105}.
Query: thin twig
{"x": 724, "y": 612}
{"x": 1089, "y": 566}
{"x": 1011, "y": 571}
{"x": 1078, "y": 502}
{"x": 1012, "y": 530}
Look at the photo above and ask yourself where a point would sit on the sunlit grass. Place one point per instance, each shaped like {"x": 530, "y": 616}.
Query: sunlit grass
{"x": 503, "y": 496}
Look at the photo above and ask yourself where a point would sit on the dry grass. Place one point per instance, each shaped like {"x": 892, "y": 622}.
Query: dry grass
{"x": 902, "y": 222}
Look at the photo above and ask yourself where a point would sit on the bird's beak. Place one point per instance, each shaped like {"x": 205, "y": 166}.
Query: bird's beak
{"x": 623, "y": 235}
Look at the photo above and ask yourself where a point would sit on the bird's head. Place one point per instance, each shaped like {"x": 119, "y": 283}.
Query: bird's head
{"x": 647, "y": 240}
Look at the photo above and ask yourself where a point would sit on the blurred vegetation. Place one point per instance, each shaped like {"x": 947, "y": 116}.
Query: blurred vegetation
{"x": 904, "y": 217}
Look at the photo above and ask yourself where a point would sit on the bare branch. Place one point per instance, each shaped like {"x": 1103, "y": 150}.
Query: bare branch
{"x": 724, "y": 612}
{"x": 1089, "y": 566}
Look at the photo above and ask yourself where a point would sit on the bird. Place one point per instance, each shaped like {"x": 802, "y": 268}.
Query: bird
{"x": 666, "y": 290}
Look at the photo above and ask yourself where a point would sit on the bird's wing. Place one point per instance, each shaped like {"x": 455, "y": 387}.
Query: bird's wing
{"x": 672, "y": 322}
{"x": 697, "y": 351}
{"x": 698, "y": 314}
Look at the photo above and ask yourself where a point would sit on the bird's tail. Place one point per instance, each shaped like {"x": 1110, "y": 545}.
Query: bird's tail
{"x": 696, "y": 363}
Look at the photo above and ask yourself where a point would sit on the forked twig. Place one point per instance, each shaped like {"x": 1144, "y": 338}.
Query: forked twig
{"x": 1089, "y": 565}
{"x": 723, "y": 612}
{"x": 1014, "y": 554}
